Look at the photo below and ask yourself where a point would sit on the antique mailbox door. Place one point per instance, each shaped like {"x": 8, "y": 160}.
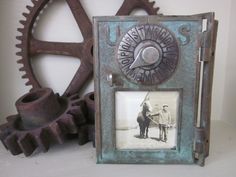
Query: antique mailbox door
{"x": 148, "y": 79}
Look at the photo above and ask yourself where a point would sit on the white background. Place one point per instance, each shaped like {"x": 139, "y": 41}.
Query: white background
{"x": 57, "y": 24}
{"x": 72, "y": 160}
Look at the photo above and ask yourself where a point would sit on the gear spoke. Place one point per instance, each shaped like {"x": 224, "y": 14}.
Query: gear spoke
{"x": 56, "y": 48}
{"x": 84, "y": 72}
{"x": 81, "y": 18}
{"x": 129, "y": 5}
{"x": 125, "y": 9}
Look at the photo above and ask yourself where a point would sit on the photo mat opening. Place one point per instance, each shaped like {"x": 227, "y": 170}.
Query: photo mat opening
{"x": 146, "y": 120}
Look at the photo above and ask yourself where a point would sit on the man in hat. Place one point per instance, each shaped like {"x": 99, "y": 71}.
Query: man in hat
{"x": 164, "y": 122}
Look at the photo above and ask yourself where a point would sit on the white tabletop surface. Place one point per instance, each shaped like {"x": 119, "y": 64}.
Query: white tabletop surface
{"x": 71, "y": 160}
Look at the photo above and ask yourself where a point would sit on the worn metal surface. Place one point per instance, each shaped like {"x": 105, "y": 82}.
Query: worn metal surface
{"x": 208, "y": 70}
{"x": 30, "y": 46}
{"x": 43, "y": 119}
{"x": 87, "y": 131}
{"x": 110, "y": 78}
{"x": 148, "y": 59}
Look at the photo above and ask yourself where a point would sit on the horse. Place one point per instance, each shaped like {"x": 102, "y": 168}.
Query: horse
{"x": 144, "y": 122}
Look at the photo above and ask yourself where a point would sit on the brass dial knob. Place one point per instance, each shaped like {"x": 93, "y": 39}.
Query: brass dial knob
{"x": 148, "y": 54}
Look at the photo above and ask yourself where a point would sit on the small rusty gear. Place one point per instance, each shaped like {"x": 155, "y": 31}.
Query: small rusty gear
{"x": 31, "y": 46}
{"x": 43, "y": 118}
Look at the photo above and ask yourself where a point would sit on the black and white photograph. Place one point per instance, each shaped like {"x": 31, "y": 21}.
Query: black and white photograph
{"x": 146, "y": 120}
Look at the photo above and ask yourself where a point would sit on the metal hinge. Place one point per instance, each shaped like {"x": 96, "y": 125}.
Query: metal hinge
{"x": 206, "y": 46}
{"x": 200, "y": 145}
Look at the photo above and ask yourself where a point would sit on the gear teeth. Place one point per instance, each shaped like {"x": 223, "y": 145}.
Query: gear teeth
{"x": 20, "y": 30}
{"x": 19, "y": 45}
{"x": 25, "y": 15}
{"x": 75, "y": 110}
{"x": 2, "y": 127}
{"x": 156, "y": 9}
{"x": 12, "y": 118}
{"x": 34, "y": 1}
{"x": 83, "y": 136}
{"x": 152, "y": 3}
{"x": 28, "y": 83}
{"x": 23, "y": 69}
{"x": 29, "y": 8}
{"x": 12, "y": 145}
{"x": 5, "y": 129}
{"x": 28, "y": 141}
{"x": 26, "y": 144}
{"x": 24, "y": 76}
{"x": 3, "y": 133}
{"x": 56, "y": 132}
{"x": 77, "y": 103}
{"x": 19, "y": 53}
{"x": 20, "y": 61}
{"x": 69, "y": 123}
{"x": 23, "y": 22}
{"x": 86, "y": 134}
{"x": 42, "y": 140}
{"x": 78, "y": 114}
{"x": 20, "y": 38}
{"x": 74, "y": 97}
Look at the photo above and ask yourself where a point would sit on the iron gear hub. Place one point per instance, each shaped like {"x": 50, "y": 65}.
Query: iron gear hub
{"x": 43, "y": 118}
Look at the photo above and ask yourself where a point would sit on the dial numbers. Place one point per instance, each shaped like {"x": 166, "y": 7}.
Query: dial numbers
{"x": 148, "y": 54}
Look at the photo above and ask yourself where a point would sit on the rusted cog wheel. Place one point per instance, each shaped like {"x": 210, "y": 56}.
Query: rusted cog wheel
{"x": 43, "y": 118}
{"x": 30, "y": 46}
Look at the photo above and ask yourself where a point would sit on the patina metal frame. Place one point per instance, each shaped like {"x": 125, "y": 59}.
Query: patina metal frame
{"x": 193, "y": 138}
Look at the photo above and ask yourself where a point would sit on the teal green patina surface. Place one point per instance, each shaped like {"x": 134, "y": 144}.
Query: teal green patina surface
{"x": 184, "y": 80}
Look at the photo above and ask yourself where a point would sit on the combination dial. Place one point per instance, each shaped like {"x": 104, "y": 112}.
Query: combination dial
{"x": 148, "y": 54}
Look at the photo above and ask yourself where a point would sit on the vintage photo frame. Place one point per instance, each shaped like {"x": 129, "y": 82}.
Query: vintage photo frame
{"x": 159, "y": 55}
{"x": 152, "y": 133}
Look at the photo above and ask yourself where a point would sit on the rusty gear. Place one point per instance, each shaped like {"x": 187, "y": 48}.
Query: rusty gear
{"x": 30, "y": 46}
{"x": 43, "y": 118}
